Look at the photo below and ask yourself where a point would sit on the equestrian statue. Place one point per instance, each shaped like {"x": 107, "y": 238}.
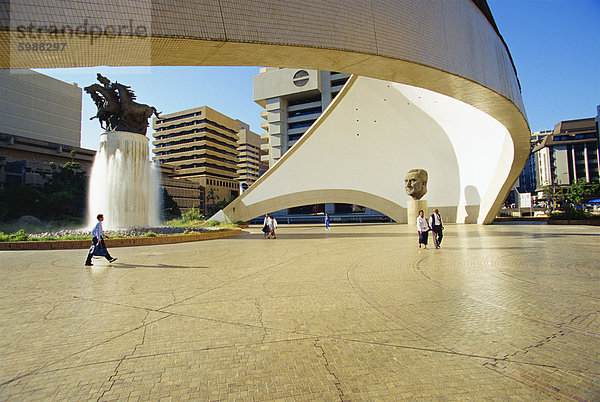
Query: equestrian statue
{"x": 117, "y": 110}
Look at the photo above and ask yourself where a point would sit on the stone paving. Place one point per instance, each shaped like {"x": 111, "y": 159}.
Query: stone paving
{"x": 355, "y": 313}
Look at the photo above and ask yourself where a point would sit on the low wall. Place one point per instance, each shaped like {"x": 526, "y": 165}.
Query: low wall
{"x": 521, "y": 219}
{"x": 589, "y": 222}
{"x": 127, "y": 242}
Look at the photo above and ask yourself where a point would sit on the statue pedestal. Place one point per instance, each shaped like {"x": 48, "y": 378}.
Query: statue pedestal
{"x": 412, "y": 210}
{"x": 123, "y": 185}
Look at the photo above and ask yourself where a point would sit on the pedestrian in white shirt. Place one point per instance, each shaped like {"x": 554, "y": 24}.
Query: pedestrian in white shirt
{"x": 272, "y": 226}
{"x": 423, "y": 229}
{"x": 98, "y": 237}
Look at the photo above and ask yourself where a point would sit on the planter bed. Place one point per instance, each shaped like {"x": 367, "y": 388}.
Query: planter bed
{"x": 124, "y": 242}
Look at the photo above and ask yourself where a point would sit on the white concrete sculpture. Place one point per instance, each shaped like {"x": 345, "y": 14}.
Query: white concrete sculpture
{"x": 393, "y": 128}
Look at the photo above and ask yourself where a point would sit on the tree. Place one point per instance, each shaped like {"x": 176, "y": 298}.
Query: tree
{"x": 66, "y": 189}
{"x": 210, "y": 195}
{"x": 581, "y": 191}
{"x": 169, "y": 206}
{"x": 22, "y": 200}
{"x": 555, "y": 194}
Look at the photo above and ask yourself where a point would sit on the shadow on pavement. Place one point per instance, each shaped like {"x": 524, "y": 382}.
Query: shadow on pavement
{"x": 120, "y": 265}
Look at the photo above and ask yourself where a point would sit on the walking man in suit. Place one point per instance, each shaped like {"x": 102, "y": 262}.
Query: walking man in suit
{"x": 436, "y": 224}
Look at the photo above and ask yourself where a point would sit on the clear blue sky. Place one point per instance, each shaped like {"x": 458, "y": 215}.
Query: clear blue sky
{"x": 555, "y": 45}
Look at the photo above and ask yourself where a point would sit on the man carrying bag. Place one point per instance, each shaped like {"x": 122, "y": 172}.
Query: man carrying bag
{"x": 436, "y": 224}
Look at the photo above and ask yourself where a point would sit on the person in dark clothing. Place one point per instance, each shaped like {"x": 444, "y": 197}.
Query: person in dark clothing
{"x": 437, "y": 225}
{"x": 98, "y": 237}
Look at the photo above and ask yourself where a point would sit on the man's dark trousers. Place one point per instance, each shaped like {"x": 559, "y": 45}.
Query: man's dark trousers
{"x": 438, "y": 233}
{"x": 91, "y": 253}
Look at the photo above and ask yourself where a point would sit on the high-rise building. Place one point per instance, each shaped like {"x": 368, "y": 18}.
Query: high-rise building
{"x": 202, "y": 144}
{"x": 40, "y": 123}
{"x": 39, "y": 107}
{"x": 250, "y": 155}
{"x": 570, "y": 153}
{"x": 186, "y": 193}
{"x": 529, "y": 176}
{"x": 293, "y": 100}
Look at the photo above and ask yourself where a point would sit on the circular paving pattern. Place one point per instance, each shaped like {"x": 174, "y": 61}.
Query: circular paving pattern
{"x": 357, "y": 312}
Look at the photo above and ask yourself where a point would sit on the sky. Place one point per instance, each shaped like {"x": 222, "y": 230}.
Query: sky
{"x": 555, "y": 45}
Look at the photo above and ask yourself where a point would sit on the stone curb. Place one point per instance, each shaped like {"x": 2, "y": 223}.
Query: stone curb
{"x": 590, "y": 222}
{"x": 131, "y": 241}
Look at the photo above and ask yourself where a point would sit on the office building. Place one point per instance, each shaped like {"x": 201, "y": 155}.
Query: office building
{"x": 39, "y": 107}
{"x": 40, "y": 123}
{"x": 250, "y": 157}
{"x": 293, "y": 99}
{"x": 569, "y": 154}
{"x": 528, "y": 179}
{"x": 202, "y": 145}
{"x": 186, "y": 193}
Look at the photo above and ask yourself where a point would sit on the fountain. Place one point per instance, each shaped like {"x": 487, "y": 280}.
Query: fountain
{"x": 124, "y": 186}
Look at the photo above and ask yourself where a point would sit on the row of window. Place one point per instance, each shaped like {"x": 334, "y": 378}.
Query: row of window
{"x": 196, "y": 148}
{"x": 221, "y": 183}
{"x": 575, "y": 137}
{"x": 196, "y": 139}
{"x": 195, "y": 122}
{"x": 184, "y": 116}
{"x": 207, "y": 165}
{"x": 305, "y": 112}
{"x": 232, "y": 144}
{"x": 194, "y": 157}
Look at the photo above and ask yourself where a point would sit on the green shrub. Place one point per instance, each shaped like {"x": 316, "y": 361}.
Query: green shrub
{"x": 212, "y": 223}
{"x": 240, "y": 223}
{"x": 192, "y": 214}
{"x": 18, "y": 236}
{"x": 149, "y": 234}
{"x": 572, "y": 214}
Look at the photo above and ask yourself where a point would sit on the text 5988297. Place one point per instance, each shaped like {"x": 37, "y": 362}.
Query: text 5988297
{"x": 41, "y": 46}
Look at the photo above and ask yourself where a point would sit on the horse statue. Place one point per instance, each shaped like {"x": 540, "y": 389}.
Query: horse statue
{"x": 117, "y": 110}
{"x": 134, "y": 115}
{"x": 107, "y": 102}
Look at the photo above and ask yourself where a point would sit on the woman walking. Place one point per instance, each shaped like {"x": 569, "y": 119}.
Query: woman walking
{"x": 423, "y": 229}
{"x": 266, "y": 229}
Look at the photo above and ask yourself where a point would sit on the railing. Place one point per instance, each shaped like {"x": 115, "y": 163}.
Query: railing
{"x": 320, "y": 219}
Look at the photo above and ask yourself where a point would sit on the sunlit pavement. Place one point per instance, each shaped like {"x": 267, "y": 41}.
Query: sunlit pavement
{"x": 357, "y": 312}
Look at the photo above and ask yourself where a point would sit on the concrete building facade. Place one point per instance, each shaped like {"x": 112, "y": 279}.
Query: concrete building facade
{"x": 529, "y": 178}
{"x": 293, "y": 99}
{"x": 33, "y": 105}
{"x": 251, "y": 157}
{"x": 186, "y": 193}
{"x": 40, "y": 123}
{"x": 201, "y": 144}
{"x": 570, "y": 153}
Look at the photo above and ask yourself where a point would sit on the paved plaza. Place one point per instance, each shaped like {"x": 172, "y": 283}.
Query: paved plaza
{"x": 355, "y": 313}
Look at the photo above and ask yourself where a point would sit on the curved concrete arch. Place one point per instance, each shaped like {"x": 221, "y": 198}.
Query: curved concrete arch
{"x": 448, "y": 47}
{"x": 387, "y": 207}
{"x": 393, "y": 128}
